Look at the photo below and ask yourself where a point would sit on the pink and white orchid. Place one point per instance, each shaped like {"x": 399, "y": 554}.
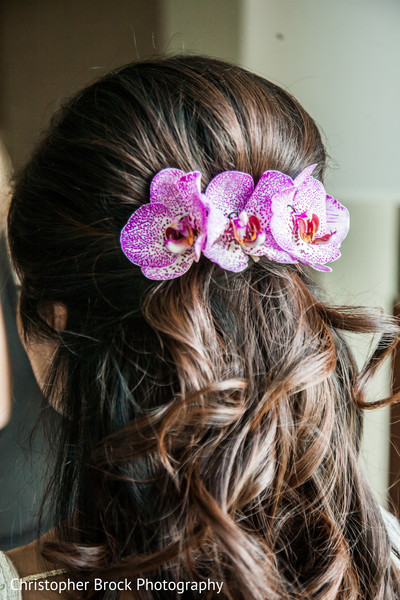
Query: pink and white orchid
{"x": 307, "y": 223}
{"x": 239, "y": 219}
{"x": 165, "y": 236}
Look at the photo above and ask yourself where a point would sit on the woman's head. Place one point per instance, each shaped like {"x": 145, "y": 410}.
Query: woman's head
{"x": 96, "y": 164}
{"x": 210, "y": 415}
{"x": 112, "y": 138}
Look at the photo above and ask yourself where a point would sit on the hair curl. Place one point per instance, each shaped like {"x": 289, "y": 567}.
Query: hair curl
{"x": 212, "y": 423}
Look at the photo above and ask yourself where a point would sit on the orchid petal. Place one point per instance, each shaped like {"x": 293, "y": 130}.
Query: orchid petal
{"x": 217, "y": 222}
{"x": 337, "y": 218}
{"x": 304, "y": 175}
{"x": 163, "y": 188}
{"x": 190, "y": 194}
{"x": 282, "y": 220}
{"x": 199, "y": 245}
{"x": 311, "y": 197}
{"x": 229, "y": 191}
{"x": 227, "y": 253}
{"x": 182, "y": 264}
{"x": 317, "y": 254}
{"x": 268, "y": 185}
{"x": 271, "y": 250}
{"x": 142, "y": 239}
{"x": 189, "y": 185}
{"x": 319, "y": 267}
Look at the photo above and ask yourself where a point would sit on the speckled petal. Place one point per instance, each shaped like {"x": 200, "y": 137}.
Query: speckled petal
{"x": 217, "y": 222}
{"x": 259, "y": 204}
{"x": 268, "y": 185}
{"x": 282, "y": 220}
{"x": 229, "y": 191}
{"x": 315, "y": 254}
{"x": 190, "y": 194}
{"x": 271, "y": 250}
{"x": 280, "y": 256}
{"x": 198, "y": 245}
{"x": 163, "y": 186}
{"x": 164, "y": 190}
{"x": 181, "y": 193}
{"x": 337, "y": 218}
{"x": 142, "y": 238}
{"x": 189, "y": 185}
{"x": 228, "y": 254}
{"x": 323, "y": 268}
{"x": 305, "y": 173}
{"x": 182, "y": 264}
{"x": 311, "y": 196}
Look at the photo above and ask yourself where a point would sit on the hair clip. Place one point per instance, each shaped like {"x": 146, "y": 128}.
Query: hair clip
{"x": 287, "y": 220}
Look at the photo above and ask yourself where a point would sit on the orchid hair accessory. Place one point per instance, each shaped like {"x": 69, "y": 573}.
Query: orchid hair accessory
{"x": 287, "y": 220}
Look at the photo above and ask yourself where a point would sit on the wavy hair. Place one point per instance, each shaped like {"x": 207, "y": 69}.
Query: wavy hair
{"x": 212, "y": 422}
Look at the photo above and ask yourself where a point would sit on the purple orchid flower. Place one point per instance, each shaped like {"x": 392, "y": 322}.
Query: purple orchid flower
{"x": 165, "y": 236}
{"x": 287, "y": 220}
{"x": 307, "y": 223}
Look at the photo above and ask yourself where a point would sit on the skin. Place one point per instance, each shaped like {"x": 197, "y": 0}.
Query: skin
{"x": 40, "y": 353}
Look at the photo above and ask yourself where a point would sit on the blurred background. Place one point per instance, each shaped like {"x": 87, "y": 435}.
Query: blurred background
{"x": 340, "y": 59}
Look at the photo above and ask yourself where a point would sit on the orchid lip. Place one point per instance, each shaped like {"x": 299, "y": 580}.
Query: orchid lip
{"x": 307, "y": 228}
{"x": 247, "y": 230}
{"x": 179, "y": 236}
{"x": 260, "y": 239}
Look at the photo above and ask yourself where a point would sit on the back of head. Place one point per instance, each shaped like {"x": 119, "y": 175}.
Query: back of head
{"x": 212, "y": 422}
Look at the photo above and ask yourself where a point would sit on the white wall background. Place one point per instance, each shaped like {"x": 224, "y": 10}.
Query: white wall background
{"x": 341, "y": 60}
{"x": 208, "y": 27}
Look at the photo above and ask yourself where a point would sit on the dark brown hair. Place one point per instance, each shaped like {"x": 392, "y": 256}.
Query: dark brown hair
{"x": 212, "y": 422}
